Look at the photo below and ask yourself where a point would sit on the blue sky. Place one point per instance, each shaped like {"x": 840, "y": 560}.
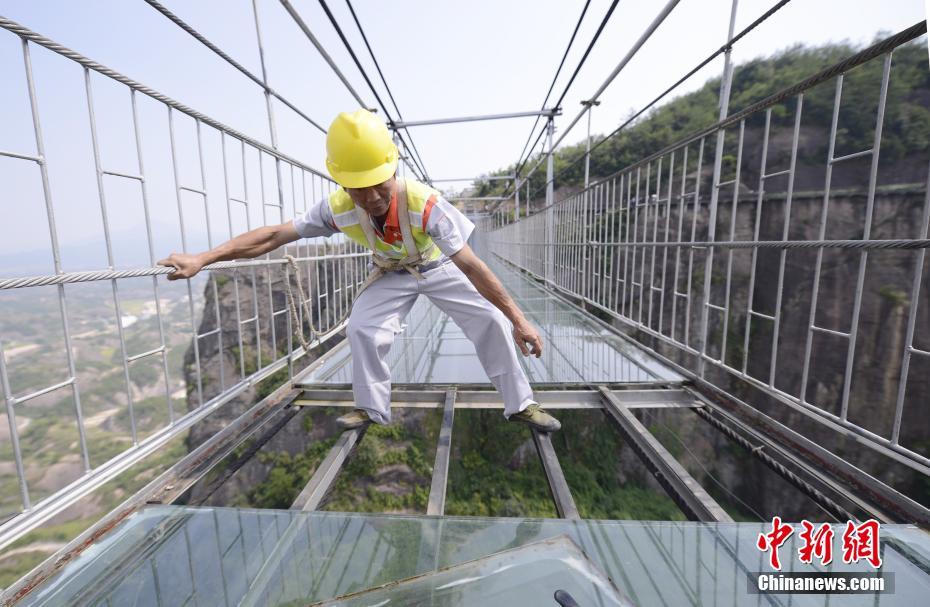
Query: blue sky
{"x": 440, "y": 58}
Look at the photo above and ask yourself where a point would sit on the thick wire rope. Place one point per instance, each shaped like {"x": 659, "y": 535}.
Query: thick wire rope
{"x": 900, "y": 244}
{"x": 415, "y": 157}
{"x": 824, "y": 502}
{"x": 704, "y": 468}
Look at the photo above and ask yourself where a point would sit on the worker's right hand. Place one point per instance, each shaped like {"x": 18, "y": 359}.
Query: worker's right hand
{"x": 184, "y": 264}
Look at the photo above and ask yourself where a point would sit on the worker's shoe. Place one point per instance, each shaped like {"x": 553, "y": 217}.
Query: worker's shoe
{"x": 354, "y": 419}
{"x": 536, "y": 418}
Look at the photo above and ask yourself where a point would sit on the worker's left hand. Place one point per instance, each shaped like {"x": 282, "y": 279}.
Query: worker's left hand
{"x": 525, "y": 333}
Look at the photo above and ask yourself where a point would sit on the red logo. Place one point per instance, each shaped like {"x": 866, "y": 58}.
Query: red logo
{"x": 773, "y": 540}
{"x": 817, "y": 543}
{"x": 860, "y": 542}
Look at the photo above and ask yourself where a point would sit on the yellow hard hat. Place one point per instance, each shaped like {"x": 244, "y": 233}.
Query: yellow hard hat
{"x": 359, "y": 150}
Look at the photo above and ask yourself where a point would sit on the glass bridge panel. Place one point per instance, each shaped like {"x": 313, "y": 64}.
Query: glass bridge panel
{"x": 432, "y": 349}
{"x": 172, "y": 555}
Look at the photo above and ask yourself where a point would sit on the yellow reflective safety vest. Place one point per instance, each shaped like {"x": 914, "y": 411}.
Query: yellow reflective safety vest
{"x": 389, "y": 244}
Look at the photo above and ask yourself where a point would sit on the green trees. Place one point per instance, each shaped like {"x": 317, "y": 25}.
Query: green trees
{"x": 906, "y": 124}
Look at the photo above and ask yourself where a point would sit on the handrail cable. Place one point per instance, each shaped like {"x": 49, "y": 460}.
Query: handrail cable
{"x": 383, "y": 80}
{"x": 358, "y": 64}
{"x": 223, "y": 55}
{"x": 27, "y": 34}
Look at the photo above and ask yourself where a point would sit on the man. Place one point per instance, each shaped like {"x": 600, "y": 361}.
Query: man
{"x": 419, "y": 246}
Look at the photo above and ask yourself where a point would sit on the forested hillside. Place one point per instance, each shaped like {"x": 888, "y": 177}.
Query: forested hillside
{"x": 906, "y": 126}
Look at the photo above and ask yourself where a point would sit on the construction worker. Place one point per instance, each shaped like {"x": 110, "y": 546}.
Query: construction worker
{"x": 419, "y": 246}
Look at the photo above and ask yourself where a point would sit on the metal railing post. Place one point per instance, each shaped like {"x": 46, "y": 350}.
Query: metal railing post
{"x": 725, "y": 84}
{"x": 516, "y": 200}
{"x": 550, "y": 216}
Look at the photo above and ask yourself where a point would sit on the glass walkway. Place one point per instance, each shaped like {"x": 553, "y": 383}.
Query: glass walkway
{"x": 171, "y": 555}
{"x": 433, "y": 350}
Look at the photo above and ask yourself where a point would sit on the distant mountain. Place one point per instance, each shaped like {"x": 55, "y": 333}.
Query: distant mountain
{"x": 130, "y": 250}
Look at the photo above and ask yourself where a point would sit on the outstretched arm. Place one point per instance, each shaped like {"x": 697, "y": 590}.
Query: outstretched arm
{"x": 491, "y": 288}
{"x": 251, "y": 244}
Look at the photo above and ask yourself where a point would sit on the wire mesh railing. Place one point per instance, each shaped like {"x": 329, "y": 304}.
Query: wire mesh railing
{"x": 775, "y": 247}
{"x": 206, "y": 341}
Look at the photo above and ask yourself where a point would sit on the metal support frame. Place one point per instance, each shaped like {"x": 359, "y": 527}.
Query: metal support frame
{"x": 325, "y": 475}
{"x": 241, "y": 459}
{"x": 561, "y": 494}
{"x": 866, "y": 491}
{"x": 657, "y": 396}
{"x": 483, "y": 178}
{"x": 550, "y": 215}
{"x": 437, "y": 491}
{"x": 681, "y": 486}
{"x": 881, "y": 497}
{"x": 590, "y": 105}
{"x": 409, "y": 123}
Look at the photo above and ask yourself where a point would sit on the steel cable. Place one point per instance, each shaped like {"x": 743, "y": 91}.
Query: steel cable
{"x": 27, "y": 34}
{"x": 417, "y": 161}
{"x": 383, "y": 79}
{"x": 551, "y": 87}
{"x": 222, "y": 54}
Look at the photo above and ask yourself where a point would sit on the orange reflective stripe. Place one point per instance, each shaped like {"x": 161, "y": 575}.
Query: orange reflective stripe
{"x": 426, "y": 209}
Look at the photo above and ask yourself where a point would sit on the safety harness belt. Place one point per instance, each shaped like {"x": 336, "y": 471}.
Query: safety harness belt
{"x": 382, "y": 264}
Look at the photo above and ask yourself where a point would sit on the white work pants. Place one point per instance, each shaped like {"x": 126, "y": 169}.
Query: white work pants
{"x": 379, "y": 313}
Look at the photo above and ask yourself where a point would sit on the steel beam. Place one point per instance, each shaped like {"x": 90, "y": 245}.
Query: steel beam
{"x": 477, "y": 198}
{"x": 681, "y": 486}
{"x": 437, "y": 490}
{"x": 486, "y": 178}
{"x": 322, "y": 481}
{"x": 561, "y": 494}
{"x": 642, "y": 396}
{"x": 810, "y": 460}
{"x": 405, "y": 124}
{"x": 232, "y": 467}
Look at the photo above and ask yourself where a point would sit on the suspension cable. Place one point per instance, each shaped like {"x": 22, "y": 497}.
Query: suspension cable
{"x": 584, "y": 58}
{"x": 696, "y": 69}
{"x": 551, "y": 86}
{"x": 635, "y": 49}
{"x": 223, "y": 55}
{"x": 361, "y": 69}
{"x": 400, "y": 116}
{"x": 587, "y": 51}
{"x": 761, "y": 19}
